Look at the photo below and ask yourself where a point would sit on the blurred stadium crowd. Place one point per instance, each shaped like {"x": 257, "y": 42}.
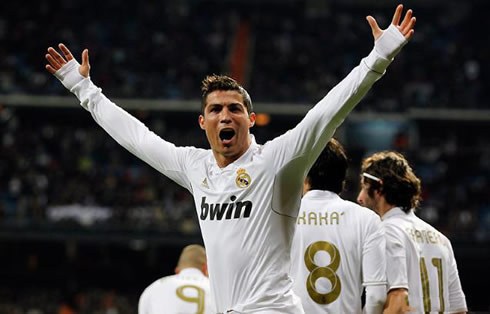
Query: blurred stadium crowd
{"x": 298, "y": 49}
{"x": 43, "y": 301}
{"x": 64, "y": 171}
{"x": 59, "y": 171}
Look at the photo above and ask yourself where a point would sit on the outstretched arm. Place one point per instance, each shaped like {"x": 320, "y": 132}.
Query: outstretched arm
{"x": 124, "y": 128}
{"x": 295, "y": 151}
{"x": 314, "y": 131}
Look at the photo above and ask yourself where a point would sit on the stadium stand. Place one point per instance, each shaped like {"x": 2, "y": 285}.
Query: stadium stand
{"x": 298, "y": 50}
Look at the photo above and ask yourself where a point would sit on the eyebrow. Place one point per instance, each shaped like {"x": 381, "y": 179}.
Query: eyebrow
{"x": 237, "y": 104}
{"x": 233, "y": 104}
{"x": 214, "y": 105}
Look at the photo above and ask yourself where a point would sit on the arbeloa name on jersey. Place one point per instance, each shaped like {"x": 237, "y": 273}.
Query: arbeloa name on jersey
{"x": 230, "y": 210}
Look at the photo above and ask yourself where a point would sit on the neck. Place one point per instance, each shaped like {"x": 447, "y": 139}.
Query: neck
{"x": 224, "y": 160}
{"x": 306, "y": 186}
{"x": 383, "y": 207}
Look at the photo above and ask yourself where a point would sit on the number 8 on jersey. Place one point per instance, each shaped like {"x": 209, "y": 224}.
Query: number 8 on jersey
{"x": 328, "y": 272}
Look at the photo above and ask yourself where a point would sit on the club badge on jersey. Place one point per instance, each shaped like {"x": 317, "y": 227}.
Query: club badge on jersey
{"x": 243, "y": 180}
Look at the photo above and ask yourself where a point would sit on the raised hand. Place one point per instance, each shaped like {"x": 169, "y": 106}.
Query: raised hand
{"x": 56, "y": 61}
{"x": 406, "y": 27}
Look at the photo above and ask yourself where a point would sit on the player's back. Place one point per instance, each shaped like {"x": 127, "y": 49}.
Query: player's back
{"x": 185, "y": 293}
{"x": 433, "y": 278}
{"x": 332, "y": 235}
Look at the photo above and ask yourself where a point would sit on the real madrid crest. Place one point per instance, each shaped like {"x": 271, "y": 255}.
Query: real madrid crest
{"x": 243, "y": 180}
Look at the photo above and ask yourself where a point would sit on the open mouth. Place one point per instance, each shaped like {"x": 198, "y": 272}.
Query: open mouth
{"x": 226, "y": 135}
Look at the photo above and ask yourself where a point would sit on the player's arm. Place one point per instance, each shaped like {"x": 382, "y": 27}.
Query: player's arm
{"x": 374, "y": 265}
{"x": 397, "y": 302}
{"x": 457, "y": 300}
{"x": 144, "y": 302}
{"x": 375, "y": 299}
{"x": 312, "y": 133}
{"x": 396, "y": 271}
{"x": 124, "y": 128}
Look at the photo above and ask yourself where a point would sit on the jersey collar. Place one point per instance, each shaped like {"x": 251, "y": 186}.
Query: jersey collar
{"x": 320, "y": 194}
{"x": 396, "y": 211}
{"x": 191, "y": 271}
{"x": 236, "y": 164}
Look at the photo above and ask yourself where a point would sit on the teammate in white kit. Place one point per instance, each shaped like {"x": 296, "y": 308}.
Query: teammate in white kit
{"x": 247, "y": 195}
{"x": 187, "y": 292}
{"x": 420, "y": 259}
{"x": 339, "y": 246}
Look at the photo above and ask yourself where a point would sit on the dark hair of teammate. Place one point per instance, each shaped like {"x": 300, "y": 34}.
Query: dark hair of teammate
{"x": 397, "y": 181}
{"x": 329, "y": 170}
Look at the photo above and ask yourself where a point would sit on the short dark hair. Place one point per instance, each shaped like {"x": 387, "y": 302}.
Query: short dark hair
{"x": 329, "y": 170}
{"x": 216, "y": 82}
{"x": 399, "y": 184}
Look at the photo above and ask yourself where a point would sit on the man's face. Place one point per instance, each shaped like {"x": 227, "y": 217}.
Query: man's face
{"x": 364, "y": 199}
{"x": 227, "y": 123}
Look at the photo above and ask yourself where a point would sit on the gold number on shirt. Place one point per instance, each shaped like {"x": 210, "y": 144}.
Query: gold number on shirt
{"x": 328, "y": 272}
{"x": 199, "y": 300}
{"x": 437, "y": 263}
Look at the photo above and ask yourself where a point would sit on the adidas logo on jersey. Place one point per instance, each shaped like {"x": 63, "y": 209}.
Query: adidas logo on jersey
{"x": 204, "y": 183}
{"x": 230, "y": 210}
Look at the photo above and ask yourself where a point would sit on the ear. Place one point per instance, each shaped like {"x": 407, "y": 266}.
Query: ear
{"x": 177, "y": 270}
{"x": 205, "y": 269}
{"x": 306, "y": 185}
{"x": 252, "y": 118}
{"x": 201, "y": 122}
{"x": 379, "y": 191}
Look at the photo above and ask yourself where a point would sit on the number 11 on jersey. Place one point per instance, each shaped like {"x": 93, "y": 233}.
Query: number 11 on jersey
{"x": 437, "y": 263}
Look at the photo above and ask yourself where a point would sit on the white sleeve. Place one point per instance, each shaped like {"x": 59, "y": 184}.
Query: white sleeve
{"x": 295, "y": 151}
{"x": 396, "y": 262}
{"x": 375, "y": 299}
{"x": 310, "y": 136}
{"x": 374, "y": 253}
{"x": 143, "y": 302}
{"x": 457, "y": 300}
{"x": 127, "y": 130}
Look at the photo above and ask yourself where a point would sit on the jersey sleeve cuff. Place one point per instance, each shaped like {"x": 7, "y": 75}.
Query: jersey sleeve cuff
{"x": 69, "y": 74}
{"x": 400, "y": 286}
{"x": 374, "y": 283}
{"x": 375, "y": 62}
{"x": 389, "y": 44}
{"x": 87, "y": 92}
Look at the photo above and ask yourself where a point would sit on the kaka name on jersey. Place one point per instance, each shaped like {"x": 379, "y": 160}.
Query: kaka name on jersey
{"x": 230, "y": 210}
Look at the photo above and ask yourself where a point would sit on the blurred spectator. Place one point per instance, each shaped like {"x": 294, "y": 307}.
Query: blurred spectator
{"x": 163, "y": 49}
{"x": 49, "y": 301}
{"x": 53, "y": 176}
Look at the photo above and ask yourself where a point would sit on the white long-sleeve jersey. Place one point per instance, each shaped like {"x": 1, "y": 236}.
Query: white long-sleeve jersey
{"x": 421, "y": 259}
{"x": 247, "y": 210}
{"x": 338, "y": 248}
{"x": 187, "y": 292}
